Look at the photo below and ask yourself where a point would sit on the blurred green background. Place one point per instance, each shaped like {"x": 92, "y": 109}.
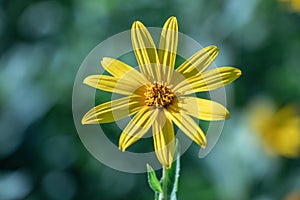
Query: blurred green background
{"x": 42, "y": 44}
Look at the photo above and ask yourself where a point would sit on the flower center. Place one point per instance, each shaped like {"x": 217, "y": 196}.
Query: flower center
{"x": 158, "y": 95}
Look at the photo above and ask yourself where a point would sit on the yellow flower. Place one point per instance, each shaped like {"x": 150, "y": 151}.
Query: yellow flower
{"x": 294, "y": 5}
{"x": 293, "y": 196}
{"x": 278, "y": 130}
{"x": 160, "y": 95}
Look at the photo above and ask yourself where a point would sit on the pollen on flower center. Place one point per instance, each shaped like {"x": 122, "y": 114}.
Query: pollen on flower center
{"x": 158, "y": 95}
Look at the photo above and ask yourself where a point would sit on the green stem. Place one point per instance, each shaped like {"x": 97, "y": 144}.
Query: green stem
{"x": 164, "y": 195}
{"x": 166, "y": 188}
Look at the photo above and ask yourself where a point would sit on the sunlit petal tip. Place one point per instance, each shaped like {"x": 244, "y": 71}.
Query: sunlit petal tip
{"x": 86, "y": 119}
{"x": 83, "y": 121}
{"x": 123, "y": 142}
{"x": 106, "y": 61}
{"x": 171, "y": 24}
{"x": 137, "y": 24}
{"x": 86, "y": 80}
{"x": 227, "y": 115}
{"x": 173, "y": 20}
{"x": 203, "y": 143}
{"x": 238, "y": 72}
{"x": 174, "y": 24}
{"x": 122, "y": 149}
{"x": 213, "y": 51}
{"x": 122, "y": 146}
{"x": 213, "y": 47}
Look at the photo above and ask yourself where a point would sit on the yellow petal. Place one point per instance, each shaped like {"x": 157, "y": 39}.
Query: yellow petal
{"x": 121, "y": 70}
{"x": 112, "y": 84}
{"x": 112, "y": 111}
{"x": 145, "y": 50}
{"x": 198, "y": 62}
{"x": 203, "y": 109}
{"x": 164, "y": 140}
{"x": 168, "y": 46}
{"x": 187, "y": 125}
{"x": 209, "y": 80}
{"x": 137, "y": 127}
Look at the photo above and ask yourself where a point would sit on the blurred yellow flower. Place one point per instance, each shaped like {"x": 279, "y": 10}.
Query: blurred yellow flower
{"x": 294, "y": 5}
{"x": 159, "y": 95}
{"x": 279, "y": 130}
{"x": 293, "y": 196}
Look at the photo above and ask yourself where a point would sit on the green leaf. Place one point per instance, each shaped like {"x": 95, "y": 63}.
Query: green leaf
{"x": 153, "y": 181}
